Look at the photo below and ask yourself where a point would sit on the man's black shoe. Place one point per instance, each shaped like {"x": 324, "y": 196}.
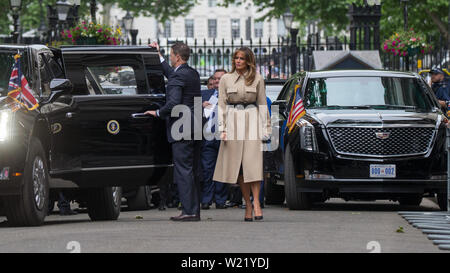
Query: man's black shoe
{"x": 205, "y": 206}
{"x": 185, "y": 218}
{"x": 221, "y": 206}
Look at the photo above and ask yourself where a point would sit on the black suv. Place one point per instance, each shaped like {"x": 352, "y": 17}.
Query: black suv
{"x": 366, "y": 135}
{"x": 88, "y": 136}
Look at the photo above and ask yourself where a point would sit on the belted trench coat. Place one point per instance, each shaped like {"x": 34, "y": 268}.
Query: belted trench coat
{"x": 244, "y": 116}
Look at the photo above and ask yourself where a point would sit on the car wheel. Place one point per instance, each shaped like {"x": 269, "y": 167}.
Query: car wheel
{"x": 442, "y": 201}
{"x": 273, "y": 194}
{"x": 295, "y": 200}
{"x": 31, "y": 206}
{"x": 142, "y": 200}
{"x": 104, "y": 203}
{"x": 411, "y": 200}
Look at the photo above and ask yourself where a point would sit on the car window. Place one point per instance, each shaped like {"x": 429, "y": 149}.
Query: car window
{"x": 46, "y": 76}
{"x": 111, "y": 80}
{"x": 6, "y": 65}
{"x": 287, "y": 91}
{"x": 366, "y": 91}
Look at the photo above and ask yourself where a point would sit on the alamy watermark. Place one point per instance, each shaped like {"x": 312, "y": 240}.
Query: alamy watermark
{"x": 240, "y": 122}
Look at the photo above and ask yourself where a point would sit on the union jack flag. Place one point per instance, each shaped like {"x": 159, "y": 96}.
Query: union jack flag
{"x": 297, "y": 109}
{"x": 18, "y": 89}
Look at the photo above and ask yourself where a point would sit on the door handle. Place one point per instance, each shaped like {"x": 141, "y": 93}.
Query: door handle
{"x": 140, "y": 116}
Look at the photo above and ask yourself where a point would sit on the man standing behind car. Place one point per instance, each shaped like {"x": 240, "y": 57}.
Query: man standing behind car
{"x": 440, "y": 86}
{"x": 212, "y": 189}
{"x": 183, "y": 85}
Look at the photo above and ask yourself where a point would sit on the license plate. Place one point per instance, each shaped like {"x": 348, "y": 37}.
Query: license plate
{"x": 382, "y": 171}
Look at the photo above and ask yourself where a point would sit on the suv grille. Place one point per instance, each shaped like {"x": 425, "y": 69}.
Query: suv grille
{"x": 364, "y": 141}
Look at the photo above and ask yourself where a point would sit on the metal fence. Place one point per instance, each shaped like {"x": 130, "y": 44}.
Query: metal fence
{"x": 274, "y": 58}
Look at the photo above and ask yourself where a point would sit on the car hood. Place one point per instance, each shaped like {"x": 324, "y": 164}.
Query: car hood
{"x": 373, "y": 117}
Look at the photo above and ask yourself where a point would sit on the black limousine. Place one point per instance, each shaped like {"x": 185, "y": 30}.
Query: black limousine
{"x": 88, "y": 136}
{"x": 366, "y": 135}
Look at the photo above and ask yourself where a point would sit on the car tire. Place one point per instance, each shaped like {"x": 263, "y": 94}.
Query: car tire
{"x": 31, "y": 206}
{"x": 442, "y": 201}
{"x": 273, "y": 194}
{"x": 411, "y": 200}
{"x": 295, "y": 200}
{"x": 103, "y": 204}
{"x": 142, "y": 200}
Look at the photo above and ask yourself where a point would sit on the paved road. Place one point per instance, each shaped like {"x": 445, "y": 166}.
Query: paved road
{"x": 335, "y": 226}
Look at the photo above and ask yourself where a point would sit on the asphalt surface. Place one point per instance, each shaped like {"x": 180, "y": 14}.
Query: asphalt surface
{"x": 335, "y": 226}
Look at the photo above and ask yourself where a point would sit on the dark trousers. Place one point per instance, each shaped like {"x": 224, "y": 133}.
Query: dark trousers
{"x": 212, "y": 189}
{"x": 187, "y": 174}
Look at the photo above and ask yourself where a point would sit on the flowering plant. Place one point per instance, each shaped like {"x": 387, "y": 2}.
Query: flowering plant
{"x": 90, "y": 33}
{"x": 406, "y": 43}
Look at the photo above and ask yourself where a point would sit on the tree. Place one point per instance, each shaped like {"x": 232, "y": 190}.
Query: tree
{"x": 31, "y": 16}
{"x": 427, "y": 16}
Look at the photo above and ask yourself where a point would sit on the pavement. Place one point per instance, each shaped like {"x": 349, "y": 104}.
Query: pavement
{"x": 336, "y": 226}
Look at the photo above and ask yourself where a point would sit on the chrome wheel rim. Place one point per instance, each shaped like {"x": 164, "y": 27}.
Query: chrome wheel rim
{"x": 39, "y": 182}
{"x": 116, "y": 196}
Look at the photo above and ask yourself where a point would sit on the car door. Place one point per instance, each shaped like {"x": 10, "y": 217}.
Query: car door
{"x": 64, "y": 133}
{"x": 118, "y": 145}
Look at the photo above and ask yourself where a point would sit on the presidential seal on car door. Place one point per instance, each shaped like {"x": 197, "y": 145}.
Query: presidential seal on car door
{"x": 113, "y": 127}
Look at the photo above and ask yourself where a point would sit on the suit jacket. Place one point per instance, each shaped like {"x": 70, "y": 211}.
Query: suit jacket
{"x": 182, "y": 86}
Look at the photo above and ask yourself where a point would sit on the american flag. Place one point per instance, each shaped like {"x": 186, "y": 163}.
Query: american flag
{"x": 297, "y": 109}
{"x": 18, "y": 89}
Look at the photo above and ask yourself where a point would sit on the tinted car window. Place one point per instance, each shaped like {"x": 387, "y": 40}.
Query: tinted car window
{"x": 366, "y": 91}
{"x": 7, "y": 62}
{"x": 111, "y": 80}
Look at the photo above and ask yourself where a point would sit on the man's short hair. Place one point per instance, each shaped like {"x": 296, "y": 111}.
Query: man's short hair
{"x": 182, "y": 49}
{"x": 220, "y": 70}
{"x": 210, "y": 78}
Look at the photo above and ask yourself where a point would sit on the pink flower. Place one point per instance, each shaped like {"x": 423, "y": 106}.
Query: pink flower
{"x": 413, "y": 39}
{"x": 99, "y": 31}
{"x": 422, "y": 51}
{"x": 393, "y": 43}
{"x": 385, "y": 47}
{"x": 70, "y": 35}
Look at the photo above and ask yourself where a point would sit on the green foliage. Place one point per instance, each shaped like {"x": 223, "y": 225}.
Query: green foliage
{"x": 31, "y": 14}
{"x": 425, "y": 16}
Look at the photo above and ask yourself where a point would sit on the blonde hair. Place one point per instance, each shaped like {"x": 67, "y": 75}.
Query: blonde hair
{"x": 251, "y": 64}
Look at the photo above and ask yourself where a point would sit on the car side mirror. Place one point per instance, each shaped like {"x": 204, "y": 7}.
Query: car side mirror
{"x": 59, "y": 87}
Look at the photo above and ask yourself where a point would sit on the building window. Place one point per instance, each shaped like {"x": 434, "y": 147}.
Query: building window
{"x": 189, "y": 27}
{"x": 212, "y": 3}
{"x": 259, "y": 29}
{"x": 235, "y": 28}
{"x": 167, "y": 30}
{"x": 212, "y": 28}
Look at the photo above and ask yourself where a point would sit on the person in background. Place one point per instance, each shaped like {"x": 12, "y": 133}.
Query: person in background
{"x": 212, "y": 189}
{"x": 440, "y": 86}
{"x": 210, "y": 83}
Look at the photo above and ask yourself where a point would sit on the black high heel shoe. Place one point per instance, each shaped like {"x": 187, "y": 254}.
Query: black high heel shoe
{"x": 258, "y": 218}
{"x": 248, "y": 219}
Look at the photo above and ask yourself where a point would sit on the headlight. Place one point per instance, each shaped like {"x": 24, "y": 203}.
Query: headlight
{"x": 5, "y": 118}
{"x": 308, "y": 140}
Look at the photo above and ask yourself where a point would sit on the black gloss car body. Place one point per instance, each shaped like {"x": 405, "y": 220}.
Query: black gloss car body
{"x": 93, "y": 138}
{"x": 364, "y": 150}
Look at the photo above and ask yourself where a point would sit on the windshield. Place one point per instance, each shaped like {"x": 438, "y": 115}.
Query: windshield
{"x": 6, "y": 65}
{"x": 366, "y": 92}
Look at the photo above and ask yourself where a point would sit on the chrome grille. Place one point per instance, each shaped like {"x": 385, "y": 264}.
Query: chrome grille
{"x": 364, "y": 141}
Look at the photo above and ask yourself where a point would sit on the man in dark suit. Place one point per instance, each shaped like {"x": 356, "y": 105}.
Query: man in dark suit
{"x": 212, "y": 189}
{"x": 183, "y": 85}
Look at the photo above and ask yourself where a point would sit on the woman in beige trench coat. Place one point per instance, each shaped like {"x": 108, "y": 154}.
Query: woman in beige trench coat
{"x": 243, "y": 122}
